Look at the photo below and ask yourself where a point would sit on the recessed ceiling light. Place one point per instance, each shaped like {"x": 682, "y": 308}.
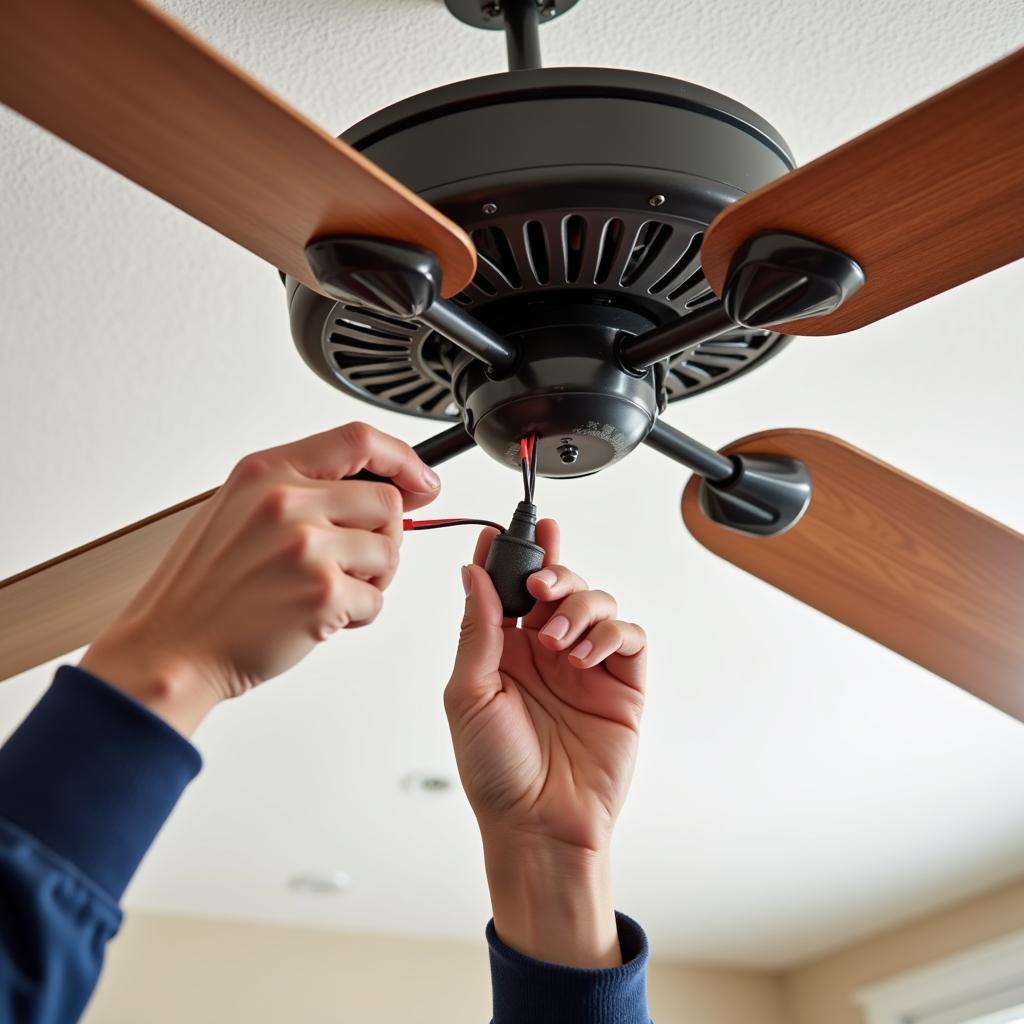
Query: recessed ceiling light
{"x": 427, "y": 784}
{"x": 322, "y": 883}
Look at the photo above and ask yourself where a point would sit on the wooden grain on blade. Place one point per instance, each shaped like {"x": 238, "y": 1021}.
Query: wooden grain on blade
{"x": 131, "y": 87}
{"x": 63, "y": 603}
{"x": 895, "y": 559}
{"x": 924, "y": 202}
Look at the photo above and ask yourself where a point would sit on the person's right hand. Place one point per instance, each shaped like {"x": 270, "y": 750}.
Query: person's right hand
{"x": 544, "y": 719}
{"x": 285, "y": 553}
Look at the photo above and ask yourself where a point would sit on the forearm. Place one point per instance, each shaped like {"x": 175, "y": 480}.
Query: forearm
{"x": 552, "y": 902}
{"x": 558, "y": 952}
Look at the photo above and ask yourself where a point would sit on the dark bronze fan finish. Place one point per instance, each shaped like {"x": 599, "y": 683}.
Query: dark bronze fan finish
{"x": 579, "y": 187}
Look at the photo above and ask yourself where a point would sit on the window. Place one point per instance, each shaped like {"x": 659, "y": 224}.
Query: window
{"x": 984, "y": 985}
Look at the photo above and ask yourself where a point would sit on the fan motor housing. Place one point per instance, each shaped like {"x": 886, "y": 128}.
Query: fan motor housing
{"x": 586, "y": 192}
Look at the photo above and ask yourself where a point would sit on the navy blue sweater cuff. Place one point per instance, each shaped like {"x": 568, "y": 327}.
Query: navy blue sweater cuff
{"x": 530, "y": 990}
{"x": 93, "y": 775}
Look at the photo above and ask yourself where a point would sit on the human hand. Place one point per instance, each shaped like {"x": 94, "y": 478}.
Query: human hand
{"x": 285, "y": 553}
{"x": 544, "y": 720}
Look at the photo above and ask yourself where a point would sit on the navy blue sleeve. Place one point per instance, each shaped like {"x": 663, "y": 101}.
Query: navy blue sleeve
{"x": 86, "y": 782}
{"x": 528, "y": 991}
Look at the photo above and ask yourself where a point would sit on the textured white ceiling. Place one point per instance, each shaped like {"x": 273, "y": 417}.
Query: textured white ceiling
{"x": 799, "y": 786}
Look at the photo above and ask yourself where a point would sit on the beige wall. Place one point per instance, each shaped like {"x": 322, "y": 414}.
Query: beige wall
{"x": 686, "y": 994}
{"x": 168, "y": 970}
{"x": 821, "y": 992}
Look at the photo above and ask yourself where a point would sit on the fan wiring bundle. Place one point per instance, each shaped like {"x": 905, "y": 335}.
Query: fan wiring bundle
{"x": 514, "y": 554}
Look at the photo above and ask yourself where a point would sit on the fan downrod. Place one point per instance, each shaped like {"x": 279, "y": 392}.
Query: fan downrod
{"x": 519, "y": 19}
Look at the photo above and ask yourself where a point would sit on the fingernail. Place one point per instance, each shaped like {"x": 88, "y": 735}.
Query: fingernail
{"x": 547, "y": 577}
{"x": 467, "y": 580}
{"x": 557, "y": 627}
{"x": 431, "y": 479}
{"x": 581, "y": 651}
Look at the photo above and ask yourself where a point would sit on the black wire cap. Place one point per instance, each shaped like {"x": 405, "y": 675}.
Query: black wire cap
{"x": 513, "y": 558}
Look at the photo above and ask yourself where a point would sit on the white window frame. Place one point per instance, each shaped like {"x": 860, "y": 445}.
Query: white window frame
{"x": 981, "y": 980}
{"x": 999, "y": 1008}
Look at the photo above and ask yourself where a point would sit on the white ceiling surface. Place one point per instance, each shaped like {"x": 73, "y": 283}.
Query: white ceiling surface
{"x": 799, "y": 786}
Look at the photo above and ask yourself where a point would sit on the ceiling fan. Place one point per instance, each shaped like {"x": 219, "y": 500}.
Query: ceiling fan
{"x": 561, "y": 253}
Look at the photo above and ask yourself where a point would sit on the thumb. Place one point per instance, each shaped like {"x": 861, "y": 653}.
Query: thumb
{"x": 481, "y": 641}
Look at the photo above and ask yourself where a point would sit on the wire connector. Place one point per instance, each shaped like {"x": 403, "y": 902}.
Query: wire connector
{"x": 513, "y": 558}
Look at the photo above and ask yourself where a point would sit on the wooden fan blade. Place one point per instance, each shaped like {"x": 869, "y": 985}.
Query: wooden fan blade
{"x": 924, "y": 202}
{"x": 131, "y": 87}
{"x": 62, "y": 604}
{"x": 891, "y": 557}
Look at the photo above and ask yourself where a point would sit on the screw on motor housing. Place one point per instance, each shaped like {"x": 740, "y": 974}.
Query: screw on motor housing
{"x": 567, "y": 451}
{"x": 513, "y": 558}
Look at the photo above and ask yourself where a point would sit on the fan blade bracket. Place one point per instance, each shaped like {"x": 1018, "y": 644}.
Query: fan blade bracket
{"x": 778, "y": 277}
{"x": 636, "y": 354}
{"x": 761, "y": 496}
{"x": 392, "y": 278}
{"x": 767, "y": 496}
{"x": 398, "y": 279}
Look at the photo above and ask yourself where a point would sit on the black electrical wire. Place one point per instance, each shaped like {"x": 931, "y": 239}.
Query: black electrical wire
{"x": 528, "y": 451}
{"x": 528, "y": 462}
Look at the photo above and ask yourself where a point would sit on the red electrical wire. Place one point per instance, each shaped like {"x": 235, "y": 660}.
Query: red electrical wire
{"x": 528, "y": 457}
{"x": 528, "y": 462}
{"x": 435, "y": 524}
